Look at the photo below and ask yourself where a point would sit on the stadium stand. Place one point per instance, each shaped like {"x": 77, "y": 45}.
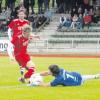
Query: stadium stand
{"x": 65, "y": 42}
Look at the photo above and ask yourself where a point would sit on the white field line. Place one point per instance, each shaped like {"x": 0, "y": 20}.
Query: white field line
{"x": 9, "y": 86}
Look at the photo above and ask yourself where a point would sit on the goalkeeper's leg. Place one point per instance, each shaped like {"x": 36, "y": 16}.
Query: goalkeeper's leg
{"x": 89, "y": 77}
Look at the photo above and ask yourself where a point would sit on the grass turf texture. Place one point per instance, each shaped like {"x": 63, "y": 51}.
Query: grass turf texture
{"x": 11, "y": 89}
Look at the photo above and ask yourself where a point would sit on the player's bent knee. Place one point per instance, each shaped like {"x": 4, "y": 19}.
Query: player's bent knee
{"x": 30, "y": 64}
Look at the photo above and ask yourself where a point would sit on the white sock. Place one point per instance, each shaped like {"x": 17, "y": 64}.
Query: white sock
{"x": 88, "y": 77}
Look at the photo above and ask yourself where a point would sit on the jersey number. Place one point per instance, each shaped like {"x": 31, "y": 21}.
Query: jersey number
{"x": 70, "y": 76}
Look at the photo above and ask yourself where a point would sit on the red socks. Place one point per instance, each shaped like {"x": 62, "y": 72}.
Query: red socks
{"x": 30, "y": 71}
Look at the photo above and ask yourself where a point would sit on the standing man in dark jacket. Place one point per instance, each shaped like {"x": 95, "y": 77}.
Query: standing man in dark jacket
{"x": 46, "y": 4}
{"x": 28, "y": 3}
{"x": 0, "y": 5}
{"x": 40, "y": 6}
{"x": 10, "y": 4}
{"x": 53, "y": 3}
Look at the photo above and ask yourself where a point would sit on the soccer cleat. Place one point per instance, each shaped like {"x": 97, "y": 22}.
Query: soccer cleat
{"x": 97, "y": 76}
{"x": 22, "y": 80}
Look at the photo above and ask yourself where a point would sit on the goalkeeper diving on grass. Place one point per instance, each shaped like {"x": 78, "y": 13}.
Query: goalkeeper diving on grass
{"x": 61, "y": 77}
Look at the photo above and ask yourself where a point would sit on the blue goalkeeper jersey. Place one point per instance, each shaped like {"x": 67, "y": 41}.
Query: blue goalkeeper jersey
{"x": 67, "y": 79}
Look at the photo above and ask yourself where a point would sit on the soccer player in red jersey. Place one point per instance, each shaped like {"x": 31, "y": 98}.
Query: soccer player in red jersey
{"x": 20, "y": 43}
{"x": 16, "y": 24}
{"x": 14, "y": 29}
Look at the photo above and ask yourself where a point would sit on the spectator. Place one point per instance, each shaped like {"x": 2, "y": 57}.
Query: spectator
{"x": 80, "y": 22}
{"x": 10, "y": 4}
{"x": 61, "y": 6}
{"x": 85, "y": 12}
{"x": 97, "y": 15}
{"x": 79, "y": 2}
{"x": 48, "y": 14}
{"x": 32, "y": 3}
{"x": 87, "y": 20}
{"x": 68, "y": 22}
{"x": 40, "y": 6}
{"x": 73, "y": 12}
{"x": 74, "y": 21}
{"x": 73, "y": 3}
{"x": 27, "y": 4}
{"x": 58, "y": 4}
{"x": 80, "y": 11}
{"x": 34, "y": 21}
{"x": 0, "y": 6}
{"x": 91, "y": 13}
{"x": 37, "y": 20}
{"x": 53, "y": 3}
{"x": 67, "y": 5}
{"x": 62, "y": 21}
{"x": 46, "y": 4}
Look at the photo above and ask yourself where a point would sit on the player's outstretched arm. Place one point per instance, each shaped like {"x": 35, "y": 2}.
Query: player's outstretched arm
{"x": 45, "y": 84}
{"x": 45, "y": 73}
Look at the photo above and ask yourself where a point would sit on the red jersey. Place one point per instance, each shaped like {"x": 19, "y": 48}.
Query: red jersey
{"x": 87, "y": 19}
{"x": 20, "y": 45}
{"x": 16, "y": 26}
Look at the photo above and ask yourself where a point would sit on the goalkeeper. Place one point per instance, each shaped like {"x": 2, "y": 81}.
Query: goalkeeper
{"x": 65, "y": 78}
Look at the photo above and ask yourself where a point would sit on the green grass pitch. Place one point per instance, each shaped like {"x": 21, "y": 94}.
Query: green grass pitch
{"x": 11, "y": 89}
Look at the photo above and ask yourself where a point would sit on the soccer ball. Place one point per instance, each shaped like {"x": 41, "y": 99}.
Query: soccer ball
{"x": 36, "y": 79}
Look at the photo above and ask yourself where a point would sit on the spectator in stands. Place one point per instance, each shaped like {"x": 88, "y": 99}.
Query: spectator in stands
{"x": 28, "y": 3}
{"x": 53, "y": 3}
{"x": 32, "y": 3}
{"x": 62, "y": 21}
{"x": 46, "y": 4}
{"x": 68, "y": 22}
{"x": 4, "y": 19}
{"x": 73, "y": 3}
{"x": 80, "y": 11}
{"x": 67, "y": 5}
{"x": 91, "y": 13}
{"x": 33, "y": 21}
{"x": 97, "y": 14}
{"x": 41, "y": 20}
{"x": 48, "y": 15}
{"x": 37, "y": 20}
{"x": 40, "y": 6}
{"x": 80, "y": 22}
{"x": 60, "y": 6}
{"x": 44, "y": 18}
{"x": 0, "y": 6}
{"x": 87, "y": 20}
{"x": 79, "y": 2}
{"x": 73, "y": 12}
{"x": 74, "y": 21}
{"x": 85, "y": 12}
{"x": 10, "y": 4}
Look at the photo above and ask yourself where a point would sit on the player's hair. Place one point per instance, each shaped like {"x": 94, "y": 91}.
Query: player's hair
{"x": 21, "y": 9}
{"x": 54, "y": 69}
{"x": 26, "y": 28}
